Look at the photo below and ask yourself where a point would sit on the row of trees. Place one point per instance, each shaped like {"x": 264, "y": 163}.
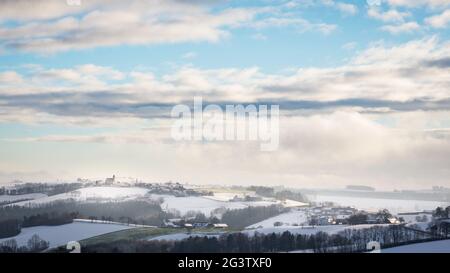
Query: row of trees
{"x": 241, "y": 218}
{"x": 13, "y": 218}
{"x": 381, "y": 217}
{"x": 229, "y": 243}
{"x": 9, "y": 228}
{"x": 442, "y": 213}
{"x": 135, "y": 209}
{"x": 12, "y": 227}
{"x": 34, "y": 244}
{"x": 348, "y": 241}
{"x": 279, "y": 195}
{"x": 47, "y": 188}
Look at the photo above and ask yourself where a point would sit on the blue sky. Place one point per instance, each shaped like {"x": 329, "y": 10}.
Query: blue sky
{"x": 271, "y": 48}
{"x": 86, "y": 84}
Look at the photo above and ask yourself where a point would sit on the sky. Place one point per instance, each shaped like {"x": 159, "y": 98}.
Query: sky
{"x": 87, "y": 88}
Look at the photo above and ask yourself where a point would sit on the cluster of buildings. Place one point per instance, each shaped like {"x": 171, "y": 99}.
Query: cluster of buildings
{"x": 329, "y": 215}
{"x": 172, "y": 188}
{"x": 246, "y": 198}
{"x": 337, "y": 215}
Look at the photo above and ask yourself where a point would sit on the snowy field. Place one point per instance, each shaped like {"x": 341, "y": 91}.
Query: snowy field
{"x": 15, "y": 198}
{"x": 411, "y": 221}
{"x": 307, "y": 230}
{"x": 375, "y": 204}
{"x": 61, "y": 235}
{"x": 288, "y": 219}
{"x": 202, "y": 204}
{"x": 181, "y": 204}
{"x": 225, "y": 196}
{"x": 429, "y": 247}
{"x": 97, "y": 193}
{"x": 182, "y": 236}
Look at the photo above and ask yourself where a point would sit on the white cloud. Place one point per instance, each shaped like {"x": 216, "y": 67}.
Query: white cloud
{"x": 321, "y": 150}
{"x": 418, "y": 3}
{"x": 407, "y": 27}
{"x": 189, "y": 55}
{"x": 391, "y": 15}
{"x": 135, "y": 23}
{"x": 300, "y": 24}
{"x": 439, "y": 21}
{"x": 404, "y": 73}
{"x": 345, "y": 8}
{"x": 350, "y": 46}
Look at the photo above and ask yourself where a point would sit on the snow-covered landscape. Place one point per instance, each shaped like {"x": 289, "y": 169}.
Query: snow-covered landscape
{"x": 309, "y": 230}
{"x": 205, "y": 205}
{"x": 375, "y": 204}
{"x": 61, "y": 235}
{"x": 297, "y": 217}
{"x": 182, "y": 236}
{"x": 91, "y": 194}
{"x": 238, "y": 129}
{"x": 186, "y": 212}
{"x": 4, "y": 199}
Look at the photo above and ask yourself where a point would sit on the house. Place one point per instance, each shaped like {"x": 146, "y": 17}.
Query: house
{"x": 341, "y": 220}
{"x": 200, "y": 224}
{"x": 393, "y": 220}
{"x": 174, "y": 222}
{"x": 324, "y": 221}
{"x": 220, "y": 225}
{"x": 110, "y": 180}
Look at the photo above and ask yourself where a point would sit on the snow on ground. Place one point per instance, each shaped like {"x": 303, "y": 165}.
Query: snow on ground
{"x": 15, "y": 198}
{"x": 202, "y": 204}
{"x": 428, "y": 247}
{"x": 112, "y": 222}
{"x": 307, "y": 230}
{"x": 411, "y": 220}
{"x": 225, "y": 196}
{"x": 288, "y": 218}
{"x": 61, "y": 235}
{"x": 182, "y": 236}
{"x": 419, "y": 225}
{"x": 292, "y": 203}
{"x": 86, "y": 194}
{"x": 374, "y": 204}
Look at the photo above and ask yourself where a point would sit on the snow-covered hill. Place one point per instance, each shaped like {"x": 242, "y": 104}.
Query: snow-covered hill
{"x": 288, "y": 218}
{"x": 111, "y": 193}
{"x": 16, "y": 198}
{"x": 92, "y": 193}
{"x": 61, "y": 235}
{"x": 203, "y": 204}
{"x": 307, "y": 230}
{"x": 374, "y": 204}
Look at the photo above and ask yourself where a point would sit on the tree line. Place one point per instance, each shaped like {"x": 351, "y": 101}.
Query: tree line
{"x": 13, "y": 218}
{"x": 279, "y": 195}
{"x": 34, "y": 244}
{"x": 241, "y": 218}
{"x": 46, "y": 188}
{"x": 344, "y": 242}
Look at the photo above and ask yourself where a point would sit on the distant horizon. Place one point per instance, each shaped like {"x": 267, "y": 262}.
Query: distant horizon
{"x": 274, "y": 185}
